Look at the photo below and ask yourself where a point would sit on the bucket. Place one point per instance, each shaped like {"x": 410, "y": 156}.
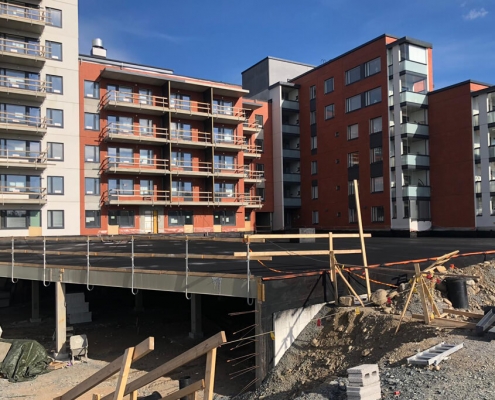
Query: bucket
{"x": 457, "y": 292}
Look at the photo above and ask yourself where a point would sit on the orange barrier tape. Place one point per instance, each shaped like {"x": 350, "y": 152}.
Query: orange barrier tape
{"x": 371, "y": 280}
{"x": 271, "y": 269}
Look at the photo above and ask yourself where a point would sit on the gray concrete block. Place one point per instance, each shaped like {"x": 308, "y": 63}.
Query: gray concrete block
{"x": 371, "y": 392}
{"x": 74, "y": 298}
{"x": 364, "y": 370}
{"x": 368, "y": 379}
{"x": 77, "y": 308}
{"x": 80, "y": 318}
{"x": 347, "y": 301}
{"x": 307, "y": 231}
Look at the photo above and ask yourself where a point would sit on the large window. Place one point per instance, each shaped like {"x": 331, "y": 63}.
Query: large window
{"x": 314, "y": 190}
{"x": 54, "y": 50}
{"x": 181, "y": 160}
{"x": 20, "y": 183}
{"x": 91, "y": 89}
{"x": 377, "y": 184}
{"x": 55, "y": 117}
{"x": 412, "y": 53}
{"x": 92, "y": 186}
{"x": 373, "y": 96}
{"x": 376, "y": 125}
{"x": 329, "y": 85}
{"x": 224, "y": 162}
{"x": 20, "y": 148}
{"x": 93, "y": 218}
{"x": 54, "y": 17}
{"x": 146, "y": 127}
{"x": 353, "y": 159}
{"x": 372, "y": 67}
{"x": 55, "y": 219}
{"x": 353, "y": 75}
{"x": 55, "y": 151}
{"x": 180, "y": 218}
{"x": 54, "y": 84}
{"x": 223, "y": 134}
{"x": 122, "y": 218}
{"x": 312, "y": 92}
{"x": 330, "y": 111}
{"x": 353, "y": 103}
{"x": 91, "y": 154}
{"x": 180, "y": 101}
{"x": 19, "y": 114}
{"x": 91, "y": 122}
{"x": 224, "y": 218}
{"x": 19, "y": 219}
{"x": 314, "y": 167}
{"x": 315, "y": 217}
{"x": 376, "y": 154}
{"x": 224, "y": 189}
{"x": 181, "y": 131}
{"x": 145, "y": 96}
{"x": 352, "y": 131}
{"x": 224, "y": 107}
{"x": 121, "y": 187}
{"x": 55, "y": 185}
{"x": 146, "y": 187}
{"x": 119, "y": 124}
{"x": 352, "y": 215}
{"x": 377, "y": 214}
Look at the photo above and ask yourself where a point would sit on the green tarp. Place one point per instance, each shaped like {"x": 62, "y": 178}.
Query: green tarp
{"x": 25, "y": 360}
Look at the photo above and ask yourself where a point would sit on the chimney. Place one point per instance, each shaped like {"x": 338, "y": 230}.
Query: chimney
{"x": 98, "y": 50}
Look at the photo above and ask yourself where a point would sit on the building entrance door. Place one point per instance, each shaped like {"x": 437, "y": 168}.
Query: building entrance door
{"x": 148, "y": 221}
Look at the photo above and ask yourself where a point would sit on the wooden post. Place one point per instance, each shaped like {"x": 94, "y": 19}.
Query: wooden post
{"x": 61, "y": 320}
{"x": 124, "y": 373}
{"x": 419, "y": 278}
{"x": 96, "y": 397}
{"x": 406, "y": 305}
{"x": 349, "y": 285}
{"x": 211, "y": 358}
{"x": 133, "y": 395}
{"x": 361, "y": 238}
{"x": 333, "y": 275}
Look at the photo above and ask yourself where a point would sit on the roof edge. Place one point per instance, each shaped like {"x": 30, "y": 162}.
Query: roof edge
{"x": 277, "y": 59}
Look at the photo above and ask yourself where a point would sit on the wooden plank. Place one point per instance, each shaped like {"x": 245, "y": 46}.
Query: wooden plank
{"x": 121, "y": 238}
{"x": 296, "y": 253}
{"x": 96, "y": 397}
{"x": 193, "y": 388}
{"x": 349, "y": 286}
{"x": 305, "y": 235}
{"x": 463, "y": 313}
{"x": 430, "y": 298}
{"x": 184, "y": 358}
{"x": 124, "y": 374}
{"x": 447, "y": 323}
{"x": 361, "y": 238}
{"x": 211, "y": 360}
{"x": 133, "y": 395}
{"x": 333, "y": 274}
{"x": 411, "y": 291}
{"x": 426, "y": 312}
{"x": 143, "y": 348}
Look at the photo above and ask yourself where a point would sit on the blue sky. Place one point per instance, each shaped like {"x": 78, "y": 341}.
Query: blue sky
{"x": 218, "y": 39}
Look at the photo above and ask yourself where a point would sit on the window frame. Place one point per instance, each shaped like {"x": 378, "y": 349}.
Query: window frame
{"x": 368, "y": 64}
{"x": 350, "y": 134}
{"x": 49, "y": 149}
{"x": 221, "y": 215}
{"x": 377, "y": 214}
{"x": 315, "y": 217}
{"x": 312, "y": 117}
{"x": 327, "y": 108}
{"x": 314, "y": 167}
{"x": 367, "y": 96}
{"x": 48, "y": 46}
{"x": 373, "y": 154}
{"x": 372, "y": 131}
{"x": 314, "y": 191}
{"x": 62, "y": 84}
{"x": 96, "y": 153}
{"x": 312, "y": 92}
{"x": 373, "y": 185}
{"x": 118, "y": 217}
{"x": 96, "y": 89}
{"x": 182, "y": 217}
{"x": 348, "y": 75}
{"x": 351, "y": 157}
{"x": 314, "y": 142}
{"x": 48, "y": 11}
{"x": 325, "y": 85}
{"x": 49, "y": 217}
{"x": 348, "y": 103}
{"x": 96, "y": 216}
{"x": 95, "y": 184}
{"x": 92, "y": 128}
{"x": 49, "y": 187}
{"x": 50, "y": 111}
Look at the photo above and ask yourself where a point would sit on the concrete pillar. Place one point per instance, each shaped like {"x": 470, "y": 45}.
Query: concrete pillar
{"x": 61, "y": 321}
{"x": 138, "y": 302}
{"x": 196, "y": 316}
{"x": 35, "y": 301}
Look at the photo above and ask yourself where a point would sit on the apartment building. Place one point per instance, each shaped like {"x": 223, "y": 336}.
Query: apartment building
{"x": 163, "y": 153}
{"x": 39, "y": 145}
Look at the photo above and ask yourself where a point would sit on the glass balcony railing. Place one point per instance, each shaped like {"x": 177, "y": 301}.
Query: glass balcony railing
{"x": 491, "y": 151}
{"x": 290, "y": 104}
{"x": 291, "y": 153}
{"x": 292, "y": 177}
{"x": 414, "y": 129}
{"x": 477, "y": 155}
{"x": 392, "y": 162}
{"x": 477, "y": 187}
{"x": 412, "y": 66}
{"x": 292, "y": 202}
{"x": 491, "y": 117}
{"x": 291, "y": 129}
{"x": 476, "y": 120}
{"x": 492, "y": 186}
{"x": 416, "y": 191}
{"x": 417, "y": 160}
{"x": 391, "y": 131}
{"x": 411, "y": 97}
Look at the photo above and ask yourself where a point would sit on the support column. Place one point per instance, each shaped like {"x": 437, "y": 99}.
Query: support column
{"x": 138, "y": 302}
{"x": 196, "y": 317}
{"x": 61, "y": 321}
{"x": 35, "y": 302}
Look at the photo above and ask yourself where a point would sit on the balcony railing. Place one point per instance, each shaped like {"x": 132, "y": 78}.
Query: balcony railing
{"x": 136, "y": 196}
{"x": 140, "y": 165}
{"x": 251, "y": 150}
{"x": 189, "y": 137}
{"x": 16, "y": 84}
{"x": 415, "y": 191}
{"x": 23, "y": 49}
{"x": 412, "y": 97}
{"x": 231, "y": 140}
{"x": 291, "y": 153}
{"x": 254, "y": 175}
{"x": 418, "y": 160}
{"x": 492, "y": 186}
{"x": 134, "y": 100}
{"x": 290, "y": 105}
{"x": 491, "y": 117}
{"x": 292, "y": 177}
{"x": 292, "y": 202}
{"x": 412, "y": 66}
{"x": 290, "y": 129}
{"x": 477, "y": 155}
{"x": 251, "y": 201}
{"x": 189, "y": 167}
{"x": 130, "y": 132}
{"x": 188, "y": 196}
{"x": 251, "y": 126}
{"x": 29, "y": 15}
{"x": 412, "y": 129}
{"x": 220, "y": 111}
{"x": 22, "y": 195}
{"x": 22, "y": 159}
{"x": 189, "y": 106}
{"x": 18, "y": 122}
{"x": 227, "y": 169}
{"x": 491, "y": 151}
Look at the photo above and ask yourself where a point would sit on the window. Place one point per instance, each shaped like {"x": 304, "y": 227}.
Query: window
{"x": 121, "y": 187}
{"x": 91, "y": 122}
{"x": 224, "y": 107}
{"x": 372, "y": 67}
{"x": 394, "y": 209}
{"x": 377, "y": 214}
{"x": 91, "y": 154}
{"x": 315, "y": 217}
{"x": 373, "y": 96}
{"x": 260, "y": 167}
{"x": 54, "y": 50}
{"x": 224, "y": 190}
{"x": 91, "y": 89}
{"x": 247, "y": 215}
{"x": 20, "y": 148}
{"x": 55, "y": 117}
{"x": 56, "y": 185}
{"x": 145, "y": 96}
{"x": 377, "y": 184}
{"x": 412, "y": 53}
{"x": 54, "y": 84}
{"x": 314, "y": 190}
{"x": 314, "y": 143}
{"x": 223, "y": 134}
{"x": 120, "y": 93}
{"x": 92, "y": 186}
{"x": 122, "y": 218}
{"x": 314, "y": 167}
{"x": 329, "y": 85}
{"x": 146, "y": 187}
{"x": 352, "y": 132}
{"x": 352, "y": 215}
{"x": 350, "y": 188}
{"x": 55, "y": 151}
{"x": 54, "y": 17}
{"x": 312, "y": 92}
{"x": 224, "y": 218}
{"x": 260, "y": 143}
{"x": 224, "y": 162}
{"x": 19, "y": 219}
{"x": 353, "y": 75}
{"x": 120, "y": 125}
{"x": 180, "y": 218}
{"x": 259, "y": 120}
{"x": 93, "y": 218}
{"x": 181, "y": 160}
{"x": 261, "y": 193}
{"x": 330, "y": 111}
{"x": 312, "y": 117}
{"x": 353, "y": 103}
{"x": 182, "y": 189}
{"x": 376, "y": 125}
{"x": 180, "y": 101}
{"x": 146, "y": 127}
{"x": 21, "y": 183}
{"x": 353, "y": 159}
{"x": 55, "y": 219}
{"x": 146, "y": 157}
{"x": 376, "y": 154}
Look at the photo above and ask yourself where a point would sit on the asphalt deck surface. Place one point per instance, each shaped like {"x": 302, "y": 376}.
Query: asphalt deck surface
{"x": 379, "y": 250}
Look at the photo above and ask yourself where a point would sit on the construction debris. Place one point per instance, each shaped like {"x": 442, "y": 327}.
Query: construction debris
{"x": 364, "y": 383}
{"x": 486, "y": 322}
{"x": 434, "y": 355}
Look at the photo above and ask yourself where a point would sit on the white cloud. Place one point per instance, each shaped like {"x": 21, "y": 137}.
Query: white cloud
{"x": 475, "y": 13}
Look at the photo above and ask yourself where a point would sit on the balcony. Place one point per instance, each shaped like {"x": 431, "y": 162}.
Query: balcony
{"x": 228, "y": 171}
{"x": 252, "y": 151}
{"x": 291, "y": 153}
{"x": 491, "y": 117}
{"x": 119, "y": 197}
{"x": 227, "y": 199}
{"x": 190, "y": 109}
{"x": 292, "y": 202}
{"x": 411, "y": 97}
{"x": 290, "y": 105}
{"x": 253, "y": 176}
{"x": 23, "y": 53}
{"x": 415, "y": 191}
{"x": 477, "y": 155}
{"x": 22, "y": 89}
{"x": 477, "y": 187}
{"x": 413, "y": 130}
{"x": 19, "y": 159}
{"x": 129, "y": 165}
{"x": 22, "y": 124}
{"x": 412, "y": 66}
{"x": 228, "y": 114}
{"x": 190, "y": 139}
{"x": 491, "y": 152}
{"x": 290, "y": 129}
{"x": 476, "y": 120}
{"x": 415, "y": 160}
{"x": 251, "y": 127}
{"x": 17, "y": 17}
{"x": 292, "y": 177}
{"x": 133, "y": 102}
{"x": 227, "y": 142}
{"x": 126, "y": 133}
{"x": 184, "y": 197}
{"x": 250, "y": 201}
{"x": 190, "y": 168}
{"x": 22, "y": 195}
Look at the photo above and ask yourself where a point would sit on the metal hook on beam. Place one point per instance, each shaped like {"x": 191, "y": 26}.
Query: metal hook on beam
{"x": 44, "y": 263}
{"x": 132, "y": 267}
{"x": 88, "y": 264}
{"x": 187, "y": 269}
{"x": 13, "y": 263}
{"x": 250, "y": 302}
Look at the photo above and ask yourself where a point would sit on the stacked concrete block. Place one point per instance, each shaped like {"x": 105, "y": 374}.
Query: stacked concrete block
{"x": 364, "y": 383}
{"x": 77, "y": 308}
